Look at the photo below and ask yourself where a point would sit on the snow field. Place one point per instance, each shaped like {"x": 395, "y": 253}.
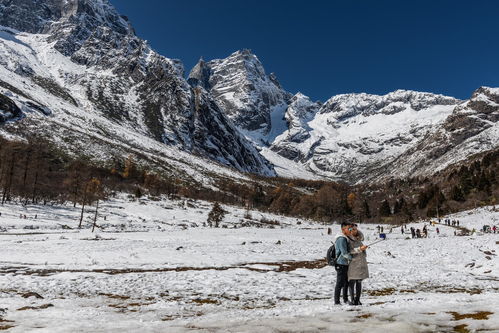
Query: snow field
{"x": 151, "y": 269}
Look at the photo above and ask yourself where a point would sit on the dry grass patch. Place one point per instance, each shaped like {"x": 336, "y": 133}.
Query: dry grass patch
{"x": 5, "y": 327}
{"x": 461, "y": 328}
{"x": 381, "y": 292}
{"x": 115, "y": 296}
{"x": 480, "y": 315}
{"x": 40, "y": 307}
{"x": 365, "y": 316}
{"x": 201, "y": 301}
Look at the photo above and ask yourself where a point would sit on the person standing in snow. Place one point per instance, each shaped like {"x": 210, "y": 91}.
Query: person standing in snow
{"x": 438, "y": 231}
{"x": 343, "y": 258}
{"x": 357, "y": 270}
{"x": 418, "y": 233}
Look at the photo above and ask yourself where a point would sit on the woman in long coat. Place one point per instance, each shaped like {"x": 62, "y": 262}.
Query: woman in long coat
{"x": 357, "y": 269}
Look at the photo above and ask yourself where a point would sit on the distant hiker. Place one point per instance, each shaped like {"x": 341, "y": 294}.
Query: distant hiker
{"x": 343, "y": 258}
{"x": 494, "y": 228}
{"x": 457, "y": 222}
{"x": 402, "y": 230}
{"x": 357, "y": 270}
{"x": 381, "y": 229}
{"x": 438, "y": 231}
{"x": 413, "y": 232}
{"x": 425, "y": 231}
{"x": 455, "y": 233}
{"x": 418, "y": 233}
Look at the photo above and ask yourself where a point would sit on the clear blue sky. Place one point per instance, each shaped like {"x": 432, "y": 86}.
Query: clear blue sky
{"x": 323, "y": 48}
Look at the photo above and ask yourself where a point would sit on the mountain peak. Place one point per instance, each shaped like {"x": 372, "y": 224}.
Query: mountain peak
{"x": 241, "y": 87}
{"x": 200, "y": 75}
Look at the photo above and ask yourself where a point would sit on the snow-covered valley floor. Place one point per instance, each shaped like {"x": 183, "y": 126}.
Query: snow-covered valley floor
{"x": 154, "y": 267}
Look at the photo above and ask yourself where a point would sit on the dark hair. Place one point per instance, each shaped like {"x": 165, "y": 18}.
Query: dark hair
{"x": 346, "y": 224}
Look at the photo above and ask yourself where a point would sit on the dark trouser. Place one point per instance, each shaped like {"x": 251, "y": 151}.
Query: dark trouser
{"x": 341, "y": 283}
{"x": 357, "y": 284}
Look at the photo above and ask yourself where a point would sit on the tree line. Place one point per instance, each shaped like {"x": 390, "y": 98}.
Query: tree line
{"x": 36, "y": 172}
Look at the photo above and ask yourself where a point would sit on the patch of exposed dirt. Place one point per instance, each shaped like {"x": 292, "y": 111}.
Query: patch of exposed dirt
{"x": 130, "y": 307}
{"x": 455, "y": 290}
{"x": 461, "y": 328}
{"x": 408, "y": 291}
{"x": 284, "y": 266}
{"x": 201, "y": 301}
{"x": 115, "y": 296}
{"x": 381, "y": 292}
{"x": 480, "y": 315}
{"x": 173, "y": 317}
{"x": 364, "y": 316}
{"x": 40, "y": 307}
{"x": 5, "y": 327}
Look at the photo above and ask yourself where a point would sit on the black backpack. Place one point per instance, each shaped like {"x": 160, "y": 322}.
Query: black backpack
{"x": 331, "y": 255}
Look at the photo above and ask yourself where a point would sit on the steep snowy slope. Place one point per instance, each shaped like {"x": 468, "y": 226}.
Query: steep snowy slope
{"x": 83, "y": 59}
{"x": 350, "y": 135}
{"x": 473, "y": 127}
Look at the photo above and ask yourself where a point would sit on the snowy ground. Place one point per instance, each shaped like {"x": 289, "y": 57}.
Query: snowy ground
{"x": 154, "y": 267}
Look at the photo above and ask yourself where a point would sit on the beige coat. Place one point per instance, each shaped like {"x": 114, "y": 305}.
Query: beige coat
{"x": 357, "y": 270}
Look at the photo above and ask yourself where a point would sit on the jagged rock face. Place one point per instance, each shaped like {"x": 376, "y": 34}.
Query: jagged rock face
{"x": 351, "y": 135}
{"x": 218, "y": 132}
{"x": 243, "y": 90}
{"x": 33, "y": 16}
{"x": 8, "y": 109}
{"x": 117, "y": 75}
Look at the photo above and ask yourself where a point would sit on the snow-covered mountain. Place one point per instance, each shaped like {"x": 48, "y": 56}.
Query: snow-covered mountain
{"x": 75, "y": 72}
{"x": 83, "y": 61}
{"x": 362, "y": 137}
{"x": 351, "y": 137}
{"x": 253, "y": 100}
{"x": 353, "y": 134}
{"x": 471, "y": 128}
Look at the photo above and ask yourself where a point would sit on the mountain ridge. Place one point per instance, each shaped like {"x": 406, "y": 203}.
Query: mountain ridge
{"x": 79, "y": 63}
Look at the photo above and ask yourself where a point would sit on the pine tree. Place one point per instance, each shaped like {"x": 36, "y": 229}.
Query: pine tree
{"x": 365, "y": 209}
{"x": 456, "y": 194}
{"x": 384, "y": 209}
{"x": 216, "y": 215}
